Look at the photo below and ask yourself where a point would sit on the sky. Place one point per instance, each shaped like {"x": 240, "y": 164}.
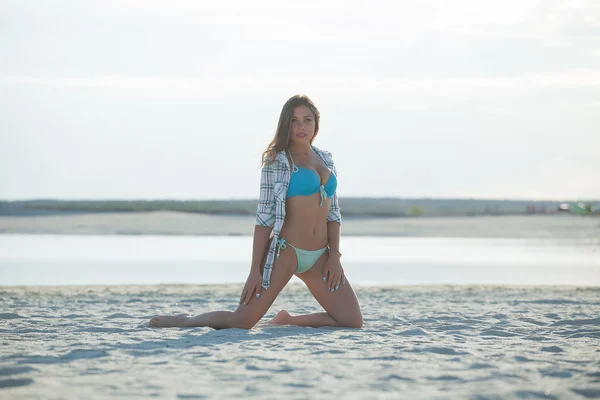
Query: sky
{"x": 177, "y": 99}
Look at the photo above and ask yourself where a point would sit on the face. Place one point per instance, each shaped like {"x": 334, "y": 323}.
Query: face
{"x": 302, "y": 128}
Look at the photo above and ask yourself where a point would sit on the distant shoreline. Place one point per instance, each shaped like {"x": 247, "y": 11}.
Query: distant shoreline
{"x": 560, "y": 226}
{"x": 351, "y": 207}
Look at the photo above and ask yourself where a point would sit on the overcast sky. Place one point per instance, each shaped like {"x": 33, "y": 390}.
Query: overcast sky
{"x": 177, "y": 99}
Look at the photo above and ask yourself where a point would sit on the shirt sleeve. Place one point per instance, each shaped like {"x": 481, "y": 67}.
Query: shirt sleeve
{"x": 265, "y": 213}
{"x": 334, "y": 208}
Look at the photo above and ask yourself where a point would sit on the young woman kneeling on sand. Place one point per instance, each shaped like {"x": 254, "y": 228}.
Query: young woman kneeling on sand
{"x": 298, "y": 203}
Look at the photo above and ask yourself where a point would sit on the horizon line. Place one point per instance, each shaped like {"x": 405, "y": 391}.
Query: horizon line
{"x": 255, "y": 199}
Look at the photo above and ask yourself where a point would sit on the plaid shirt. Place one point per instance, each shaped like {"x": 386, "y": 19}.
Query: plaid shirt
{"x": 274, "y": 182}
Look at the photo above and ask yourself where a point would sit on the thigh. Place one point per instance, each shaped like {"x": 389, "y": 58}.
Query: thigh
{"x": 283, "y": 270}
{"x": 342, "y": 305}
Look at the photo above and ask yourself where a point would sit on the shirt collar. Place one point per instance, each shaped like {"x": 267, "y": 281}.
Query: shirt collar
{"x": 281, "y": 156}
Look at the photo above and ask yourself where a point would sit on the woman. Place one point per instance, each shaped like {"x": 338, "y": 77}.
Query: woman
{"x": 298, "y": 204}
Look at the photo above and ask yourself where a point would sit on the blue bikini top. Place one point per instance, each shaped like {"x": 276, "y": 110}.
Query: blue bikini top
{"x": 305, "y": 182}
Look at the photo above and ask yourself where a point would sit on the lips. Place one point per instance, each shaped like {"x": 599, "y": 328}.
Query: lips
{"x": 300, "y": 135}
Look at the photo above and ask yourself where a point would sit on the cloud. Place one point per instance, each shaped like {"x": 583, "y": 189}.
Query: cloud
{"x": 335, "y": 20}
{"x": 159, "y": 86}
{"x": 522, "y": 74}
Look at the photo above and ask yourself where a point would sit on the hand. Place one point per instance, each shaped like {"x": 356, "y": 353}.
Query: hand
{"x": 333, "y": 268}
{"x": 252, "y": 287}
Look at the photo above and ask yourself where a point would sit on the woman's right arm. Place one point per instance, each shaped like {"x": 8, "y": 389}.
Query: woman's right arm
{"x": 265, "y": 216}
{"x": 265, "y": 220}
{"x": 259, "y": 246}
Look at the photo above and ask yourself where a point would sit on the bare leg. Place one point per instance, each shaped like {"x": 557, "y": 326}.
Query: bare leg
{"x": 246, "y": 316}
{"x": 169, "y": 320}
{"x": 341, "y": 306}
{"x": 315, "y": 320}
{"x": 215, "y": 319}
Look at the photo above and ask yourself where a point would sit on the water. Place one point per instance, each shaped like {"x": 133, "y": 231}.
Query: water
{"x": 511, "y": 342}
{"x": 117, "y": 259}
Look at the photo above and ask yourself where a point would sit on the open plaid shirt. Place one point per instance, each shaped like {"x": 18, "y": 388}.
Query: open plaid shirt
{"x": 274, "y": 182}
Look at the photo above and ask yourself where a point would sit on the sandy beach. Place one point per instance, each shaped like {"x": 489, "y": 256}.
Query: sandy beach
{"x": 455, "y": 143}
{"x": 509, "y": 310}
{"x": 478, "y": 342}
{"x": 178, "y": 223}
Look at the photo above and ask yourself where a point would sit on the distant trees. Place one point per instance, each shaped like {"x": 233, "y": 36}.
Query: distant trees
{"x": 350, "y": 206}
{"x": 416, "y": 211}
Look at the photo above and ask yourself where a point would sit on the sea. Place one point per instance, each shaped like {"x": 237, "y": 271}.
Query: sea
{"x": 46, "y": 259}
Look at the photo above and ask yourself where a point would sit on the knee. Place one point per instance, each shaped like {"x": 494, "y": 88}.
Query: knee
{"x": 244, "y": 321}
{"x": 354, "y": 321}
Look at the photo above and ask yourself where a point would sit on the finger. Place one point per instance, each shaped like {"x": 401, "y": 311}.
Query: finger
{"x": 325, "y": 273}
{"x": 248, "y": 297}
{"x": 243, "y": 294}
{"x": 330, "y": 281}
{"x": 343, "y": 280}
{"x": 258, "y": 290}
{"x": 337, "y": 282}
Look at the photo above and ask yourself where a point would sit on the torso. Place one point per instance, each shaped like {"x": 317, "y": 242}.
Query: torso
{"x": 305, "y": 224}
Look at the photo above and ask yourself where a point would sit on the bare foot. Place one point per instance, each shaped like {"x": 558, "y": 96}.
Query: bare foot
{"x": 282, "y": 318}
{"x": 169, "y": 321}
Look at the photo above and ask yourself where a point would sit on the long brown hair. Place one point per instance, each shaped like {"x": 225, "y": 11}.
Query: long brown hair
{"x": 282, "y": 135}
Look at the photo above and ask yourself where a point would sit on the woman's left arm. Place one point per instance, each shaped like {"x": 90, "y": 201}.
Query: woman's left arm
{"x": 333, "y": 265}
{"x": 334, "y": 208}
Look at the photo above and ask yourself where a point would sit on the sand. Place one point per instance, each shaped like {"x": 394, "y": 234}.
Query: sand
{"x": 478, "y": 342}
{"x": 174, "y": 223}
